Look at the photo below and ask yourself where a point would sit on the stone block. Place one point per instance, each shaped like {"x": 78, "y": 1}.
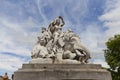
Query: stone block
{"x": 62, "y": 72}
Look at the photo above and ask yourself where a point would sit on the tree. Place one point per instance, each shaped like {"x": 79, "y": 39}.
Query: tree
{"x": 112, "y": 56}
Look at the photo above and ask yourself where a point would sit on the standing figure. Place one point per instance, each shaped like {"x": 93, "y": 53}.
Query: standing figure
{"x": 54, "y": 30}
{"x": 5, "y": 77}
{"x": 1, "y": 78}
{"x": 58, "y": 22}
{"x": 44, "y": 37}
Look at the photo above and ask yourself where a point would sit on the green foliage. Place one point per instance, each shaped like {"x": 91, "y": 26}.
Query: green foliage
{"x": 112, "y": 56}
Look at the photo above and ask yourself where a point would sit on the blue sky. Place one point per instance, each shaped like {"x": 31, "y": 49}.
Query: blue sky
{"x": 21, "y": 20}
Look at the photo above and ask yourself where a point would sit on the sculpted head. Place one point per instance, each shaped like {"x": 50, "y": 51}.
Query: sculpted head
{"x": 43, "y": 29}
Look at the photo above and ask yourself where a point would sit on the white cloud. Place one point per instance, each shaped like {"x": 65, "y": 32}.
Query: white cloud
{"x": 64, "y": 8}
{"x": 111, "y": 18}
{"x": 10, "y": 63}
{"x": 93, "y": 38}
{"x": 40, "y": 11}
{"x": 91, "y": 35}
{"x": 16, "y": 37}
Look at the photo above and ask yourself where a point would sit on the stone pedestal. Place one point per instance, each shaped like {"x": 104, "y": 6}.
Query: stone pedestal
{"x": 62, "y": 72}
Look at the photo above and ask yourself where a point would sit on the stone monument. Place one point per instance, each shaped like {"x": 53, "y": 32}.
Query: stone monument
{"x": 60, "y": 55}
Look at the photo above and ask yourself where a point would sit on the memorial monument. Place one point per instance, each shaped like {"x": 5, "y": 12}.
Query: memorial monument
{"x": 59, "y": 55}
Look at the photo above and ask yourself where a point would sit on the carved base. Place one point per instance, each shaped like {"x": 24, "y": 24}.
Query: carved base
{"x": 41, "y": 60}
{"x": 62, "y": 72}
{"x": 50, "y": 61}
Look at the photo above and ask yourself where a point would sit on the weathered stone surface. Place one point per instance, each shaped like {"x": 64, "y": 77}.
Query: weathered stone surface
{"x": 41, "y": 60}
{"x": 58, "y": 45}
{"x": 62, "y": 72}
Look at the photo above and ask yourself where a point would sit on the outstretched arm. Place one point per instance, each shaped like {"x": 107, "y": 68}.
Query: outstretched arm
{"x": 63, "y": 23}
